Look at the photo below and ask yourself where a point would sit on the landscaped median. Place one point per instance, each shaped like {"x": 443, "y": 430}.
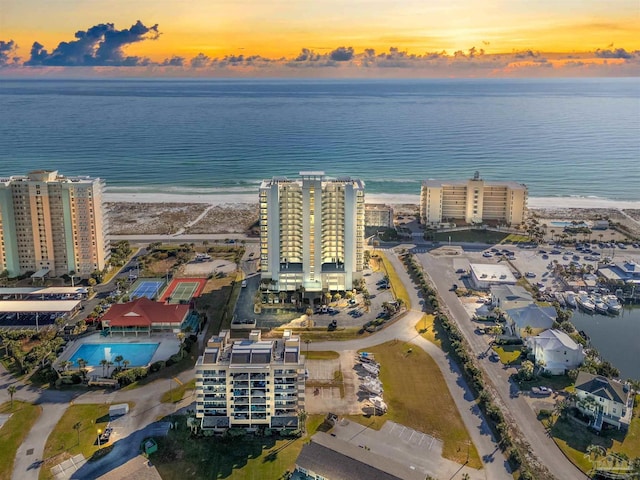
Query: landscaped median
{"x": 14, "y": 431}
{"x": 418, "y": 397}
{"x": 382, "y": 263}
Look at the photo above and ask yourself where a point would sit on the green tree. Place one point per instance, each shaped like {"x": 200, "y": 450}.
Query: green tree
{"x": 104, "y": 362}
{"x": 125, "y": 363}
{"x": 302, "y": 420}
{"x": 118, "y": 360}
{"x": 12, "y": 390}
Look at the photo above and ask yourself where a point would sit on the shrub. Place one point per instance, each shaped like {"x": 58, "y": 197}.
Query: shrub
{"x": 155, "y": 366}
{"x": 129, "y": 376}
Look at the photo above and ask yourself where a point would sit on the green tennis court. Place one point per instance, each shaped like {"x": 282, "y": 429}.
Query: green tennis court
{"x": 183, "y": 291}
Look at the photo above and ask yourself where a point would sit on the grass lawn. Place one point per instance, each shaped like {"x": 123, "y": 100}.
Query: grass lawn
{"x": 63, "y": 441}
{"x": 397, "y": 287}
{"x": 427, "y": 328}
{"x": 557, "y": 382}
{"x": 175, "y": 394}
{"x": 573, "y": 439}
{"x": 14, "y": 431}
{"x": 328, "y": 355}
{"x": 181, "y": 456}
{"x": 509, "y": 354}
{"x": 416, "y": 402}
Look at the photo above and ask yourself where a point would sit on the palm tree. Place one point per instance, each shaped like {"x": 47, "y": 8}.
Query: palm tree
{"x": 76, "y": 427}
{"x": 12, "y": 390}
{"x": 118, "y": 360}
{"x": 302, "y": 420}
{"x": 109, "y": 365}
{"x": 125, "y": 363}
{"x": 104, "y": 362}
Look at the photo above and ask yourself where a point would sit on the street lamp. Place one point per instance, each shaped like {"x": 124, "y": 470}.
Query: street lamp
{"x": 307, "y": 341}
{"x": 99, "y": 433}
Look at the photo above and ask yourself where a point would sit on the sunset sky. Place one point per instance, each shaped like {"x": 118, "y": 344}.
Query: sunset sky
{"x": 278, "y": 30}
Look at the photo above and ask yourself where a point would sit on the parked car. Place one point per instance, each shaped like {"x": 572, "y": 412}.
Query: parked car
{"x": 530, "y": 275}
{"x": 541, "y": 391}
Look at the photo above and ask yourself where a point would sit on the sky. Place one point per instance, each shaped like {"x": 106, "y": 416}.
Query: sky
{"x": 321, "y": 37}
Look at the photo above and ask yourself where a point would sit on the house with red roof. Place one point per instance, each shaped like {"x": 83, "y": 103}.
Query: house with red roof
{"x": 143, "y": 315}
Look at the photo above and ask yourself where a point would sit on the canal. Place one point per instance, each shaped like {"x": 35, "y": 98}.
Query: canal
{"x": 617, "y": 338}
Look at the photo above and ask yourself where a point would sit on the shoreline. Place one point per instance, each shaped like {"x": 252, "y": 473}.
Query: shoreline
{"x": 534, "y": 203}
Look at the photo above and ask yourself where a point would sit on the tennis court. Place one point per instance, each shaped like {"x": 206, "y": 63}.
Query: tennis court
{"x": 149, "y": 288}
{"x": 183, "y": 289}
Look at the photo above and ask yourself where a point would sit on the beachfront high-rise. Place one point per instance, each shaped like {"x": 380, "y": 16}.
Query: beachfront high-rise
{"x": 250, "y": 383}
{"x": 472, "y": 201}
{"x": 311, "y": 232}
{"x": 52, "y": 225}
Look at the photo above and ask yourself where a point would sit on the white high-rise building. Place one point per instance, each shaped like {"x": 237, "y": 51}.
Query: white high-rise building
{"x": 472, "y": 201}
{"x": 52, "y": 224}
{"x": 250, "y": 383}
{"x": 311, "y": 232}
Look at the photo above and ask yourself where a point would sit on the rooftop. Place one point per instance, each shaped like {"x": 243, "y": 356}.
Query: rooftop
{"x": 603, "y": 387}
{"x": 489, "y": 272}
{"x": 532, "y": 315}
{"x": 554, "y": 340}
{"x": 340, "y": 460}
{"x": 41, "y": 306}
{"x": 143, "y": 312}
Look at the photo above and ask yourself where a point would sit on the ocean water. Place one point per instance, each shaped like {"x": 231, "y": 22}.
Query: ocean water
{"x": 562, "y": 137}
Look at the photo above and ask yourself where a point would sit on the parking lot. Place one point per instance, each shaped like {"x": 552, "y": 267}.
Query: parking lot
{"x": 343, "y": 312}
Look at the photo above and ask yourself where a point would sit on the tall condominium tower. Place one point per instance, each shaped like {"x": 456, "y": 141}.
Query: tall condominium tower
{"x": 311, "y": 232}
{"x": 472, "y": 201}
{"x": 52, "y": 224}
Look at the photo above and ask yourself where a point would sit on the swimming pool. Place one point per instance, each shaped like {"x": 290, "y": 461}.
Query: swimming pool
{"x": 567, "y": 224}
{"x": 138, "y": 354}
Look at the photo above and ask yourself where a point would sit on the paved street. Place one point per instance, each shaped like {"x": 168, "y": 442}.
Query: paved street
{"x": 519, "y": 409}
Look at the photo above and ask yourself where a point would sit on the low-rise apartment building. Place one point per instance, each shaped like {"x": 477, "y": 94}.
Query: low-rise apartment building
{"x": 472, "y": 201}
{"x": 250, "y": 383}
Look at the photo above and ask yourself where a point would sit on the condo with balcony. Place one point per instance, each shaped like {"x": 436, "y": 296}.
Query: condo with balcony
{"x": 250, "y": 383}
{"x": 52, "y": 225}
{"x": 472, "y": 201}
{"x": 311, "y": 232}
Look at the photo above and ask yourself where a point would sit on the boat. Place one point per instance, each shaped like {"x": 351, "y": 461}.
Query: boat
{"x": 378, "y": 403}
{"x": 570, "y": 298}
{"x": 612, "y": 303}
{"x": 559, "y": 298}
{"x": 372, "y": 387}
{"x": 600, "y": 306}
{"x": 584, "y": 301}
{"x": 370, "y": 369}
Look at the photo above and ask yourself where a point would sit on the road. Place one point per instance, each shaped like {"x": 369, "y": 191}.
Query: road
{"x": 519, "y": 409}
{"x": 495, "y": 464}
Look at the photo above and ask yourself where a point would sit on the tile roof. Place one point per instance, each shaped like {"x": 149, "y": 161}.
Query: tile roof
{"x": 143, "y": 312}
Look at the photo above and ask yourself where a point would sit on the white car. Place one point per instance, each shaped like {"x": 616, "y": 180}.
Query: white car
{"x": 487, "y": 254}
{"x": 530, "y": 275}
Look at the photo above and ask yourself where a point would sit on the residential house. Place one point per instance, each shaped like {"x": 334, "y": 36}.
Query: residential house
{"x": 605, "y": 400}
{"x": 555, "y": 351}
{"x": 530, "y": 319}
{"x": 509, "y": 296}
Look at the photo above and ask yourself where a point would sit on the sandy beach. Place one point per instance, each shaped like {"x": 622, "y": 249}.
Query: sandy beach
{"x": 146, "y": 213}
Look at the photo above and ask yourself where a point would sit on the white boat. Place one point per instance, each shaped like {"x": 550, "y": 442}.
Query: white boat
{"x": 372, "y": 387}
{"x": 559, "y": 298}
{"x": 378, "y": 403}
{"x": 584, "y": 301}
{"x": 570, "y": 298}
{"x": 613, "y": 304}
{"x": 600, "y": 306}
{"x": 371, "y": 369}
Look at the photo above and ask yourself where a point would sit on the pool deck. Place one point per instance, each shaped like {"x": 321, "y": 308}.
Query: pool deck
{"x": 168, "y": 344}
